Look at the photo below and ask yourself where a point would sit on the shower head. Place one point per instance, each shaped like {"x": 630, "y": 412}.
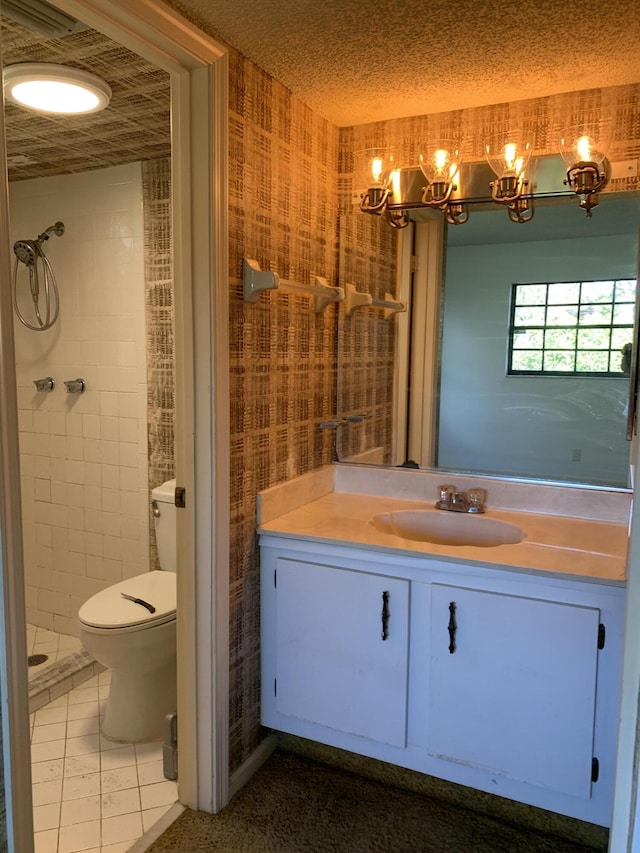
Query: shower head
{"x": 26, "y": 251}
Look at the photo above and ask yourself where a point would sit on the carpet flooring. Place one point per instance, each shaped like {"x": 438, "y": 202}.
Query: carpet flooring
{"x": 295, "y": 805}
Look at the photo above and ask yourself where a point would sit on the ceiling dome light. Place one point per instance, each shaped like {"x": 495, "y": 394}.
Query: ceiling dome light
{"x": 55, "y": 89}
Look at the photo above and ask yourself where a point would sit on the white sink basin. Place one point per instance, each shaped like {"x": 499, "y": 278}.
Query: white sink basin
{"x": 441, "y": 527}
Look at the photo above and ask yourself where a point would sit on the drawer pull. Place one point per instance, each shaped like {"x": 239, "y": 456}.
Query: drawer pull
{"x": 386, "y": 615}
{"x": 453, "y": 627}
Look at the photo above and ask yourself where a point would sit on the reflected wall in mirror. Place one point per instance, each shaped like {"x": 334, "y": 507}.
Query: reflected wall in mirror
{"x": 465, "y": 410}
{"x": 367, "y": 343}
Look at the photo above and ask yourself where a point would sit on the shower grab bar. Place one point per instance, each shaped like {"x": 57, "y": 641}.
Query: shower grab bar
{"x": 355, "y": 299}
{"x": 255, "y": 280}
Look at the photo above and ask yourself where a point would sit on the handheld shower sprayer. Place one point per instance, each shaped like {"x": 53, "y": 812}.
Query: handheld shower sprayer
{"x": 31, "y": 254}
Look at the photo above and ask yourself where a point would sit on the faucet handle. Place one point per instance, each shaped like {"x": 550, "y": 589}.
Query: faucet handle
{"x": 445, "y": 494}
{"x": 476, "y": 499}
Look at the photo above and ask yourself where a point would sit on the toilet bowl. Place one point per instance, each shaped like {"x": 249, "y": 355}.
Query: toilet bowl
{"x": 139, "y": 646}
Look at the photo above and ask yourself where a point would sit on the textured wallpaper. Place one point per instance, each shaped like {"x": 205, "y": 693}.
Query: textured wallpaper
{"x": 159, "y": 324}
{"x": 283, "y": 213}
{"x": 290, "y": 177}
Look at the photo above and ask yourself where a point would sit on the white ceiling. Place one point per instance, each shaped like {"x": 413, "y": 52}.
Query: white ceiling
{"x": 358, "y": 61}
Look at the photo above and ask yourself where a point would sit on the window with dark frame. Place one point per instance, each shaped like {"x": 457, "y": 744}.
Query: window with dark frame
{"x": 571, "y": 328}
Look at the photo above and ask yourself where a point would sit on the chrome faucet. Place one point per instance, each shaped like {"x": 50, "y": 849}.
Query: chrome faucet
{"x": 455, "y": 501}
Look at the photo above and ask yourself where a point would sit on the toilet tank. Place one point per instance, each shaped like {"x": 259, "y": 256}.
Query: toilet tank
{"x": 164, "y": 517}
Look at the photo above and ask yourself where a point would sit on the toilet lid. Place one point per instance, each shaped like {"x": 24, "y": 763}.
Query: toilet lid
{"x": 108, "y": 609}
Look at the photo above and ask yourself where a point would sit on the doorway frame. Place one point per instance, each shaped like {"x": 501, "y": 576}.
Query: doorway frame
{"x": 198, "y": 66}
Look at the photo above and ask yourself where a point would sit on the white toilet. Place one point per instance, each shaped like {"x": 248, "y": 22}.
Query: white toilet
{"x": 137, "y": 645}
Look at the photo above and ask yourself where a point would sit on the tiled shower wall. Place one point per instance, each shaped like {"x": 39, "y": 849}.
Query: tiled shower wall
{"x": 84, "y": 457}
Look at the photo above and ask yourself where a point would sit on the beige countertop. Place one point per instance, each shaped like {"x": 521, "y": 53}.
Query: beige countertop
{"x": 577, "y": 547}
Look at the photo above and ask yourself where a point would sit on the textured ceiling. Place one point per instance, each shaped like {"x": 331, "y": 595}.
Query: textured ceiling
{"x": 352, "y": 61}
{"x": 134, "y": 127}
{"x": 358, "y": 61}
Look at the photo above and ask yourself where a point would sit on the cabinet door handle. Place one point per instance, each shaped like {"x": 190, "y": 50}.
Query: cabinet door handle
{"x": 453, "y": 627}
{"x": 386, "y": 615}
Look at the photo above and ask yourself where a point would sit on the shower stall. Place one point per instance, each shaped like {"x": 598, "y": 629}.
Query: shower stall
{"x": 84, "y": 456}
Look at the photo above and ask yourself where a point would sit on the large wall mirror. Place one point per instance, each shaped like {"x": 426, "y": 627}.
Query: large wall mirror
{"x": 514, "y": 357}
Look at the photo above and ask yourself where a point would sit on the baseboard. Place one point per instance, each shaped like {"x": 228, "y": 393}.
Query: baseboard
{"x": 253, "y": 763}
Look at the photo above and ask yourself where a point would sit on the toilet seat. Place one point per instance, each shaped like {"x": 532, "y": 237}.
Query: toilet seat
{"x": 108, "y": 610}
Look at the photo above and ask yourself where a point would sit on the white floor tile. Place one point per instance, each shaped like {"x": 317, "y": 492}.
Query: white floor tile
{"x": 60, "y": 702}
{"x": 150, "y": 772}
{"x": 46, "y": 792}
{"x": 84, "y": 726}
{"x": 79, "y": 765}
{"x": 82, "y": 745}
{"x": 80, "y": 811}
{"x": 47, "y": 771}
{"x": 120, "y": 802}
{"x": 91, "y": 794}
{"x": 81, "y": 695}
{"x": 47, "y": 751}
{"x": 148, "y": 752}
{"x": 46, "y": 817}
{"x": 47, "y": 715}
{"x": 121, "y": 756}
{"x": 123, "y": 828}
{"x": 47, "y": 733}
{"x": 79, "y": 711}
{"x": 80, "y": 836}
{"x": 46, "y": 842}
{"x": 119, "y": 779}
{"x": 160, "y": 794}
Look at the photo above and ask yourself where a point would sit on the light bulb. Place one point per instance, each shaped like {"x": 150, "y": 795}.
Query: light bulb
{"x": 508, "y": 159}
{"x": 376, "y": 169}
{"x": 441, "y": 163}
{"x": 584, "y": 146}
{"x": 585, "y": 143}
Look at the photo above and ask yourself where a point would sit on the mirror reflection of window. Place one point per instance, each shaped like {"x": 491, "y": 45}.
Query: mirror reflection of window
{"x": 535, "y": 319}
{"x": 570, "y": 328}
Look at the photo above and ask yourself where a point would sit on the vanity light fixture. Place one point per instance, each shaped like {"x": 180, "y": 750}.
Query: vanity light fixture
{"x": 54, "y": 89}
{"x": 584, "y": 153}
{"x": 440, "y": 165}
{"x": 376, "y": 171}
{"x": 508, "y": 155}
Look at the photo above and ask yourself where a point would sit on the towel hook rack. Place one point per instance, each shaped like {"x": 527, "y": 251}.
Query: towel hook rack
{"x": 355, "y": 299}
{"x": 255, "y": 280}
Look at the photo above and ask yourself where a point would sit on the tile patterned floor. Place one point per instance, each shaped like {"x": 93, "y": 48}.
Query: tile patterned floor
{"x": 55, "y": 646}
{"x": 90, "y": 794}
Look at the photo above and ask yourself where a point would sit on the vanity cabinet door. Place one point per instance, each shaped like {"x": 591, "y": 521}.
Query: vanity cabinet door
{"x": 512, "y": 686}
{"x": 342, "y": 649}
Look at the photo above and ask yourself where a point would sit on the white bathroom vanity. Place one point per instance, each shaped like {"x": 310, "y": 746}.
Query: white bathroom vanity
{"x": 494, "y": 667}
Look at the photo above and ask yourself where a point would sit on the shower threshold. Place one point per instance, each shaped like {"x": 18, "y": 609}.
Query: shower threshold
{"x": 66, "y": 666}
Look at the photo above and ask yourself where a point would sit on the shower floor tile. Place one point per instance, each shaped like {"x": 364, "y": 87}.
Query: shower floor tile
{"x": 41, "y": 641}
{"x": 89, "y": 793}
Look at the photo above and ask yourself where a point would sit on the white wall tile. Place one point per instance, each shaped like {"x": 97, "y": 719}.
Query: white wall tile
{"x": 73, "y": 499}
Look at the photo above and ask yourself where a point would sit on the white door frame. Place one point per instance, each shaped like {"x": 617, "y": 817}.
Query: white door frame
{"x": 199, "y": 81}
{"x": 14, "y": 689}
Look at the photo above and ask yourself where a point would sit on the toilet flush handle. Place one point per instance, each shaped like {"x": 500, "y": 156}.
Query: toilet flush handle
{"x": 155, "y": 509}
